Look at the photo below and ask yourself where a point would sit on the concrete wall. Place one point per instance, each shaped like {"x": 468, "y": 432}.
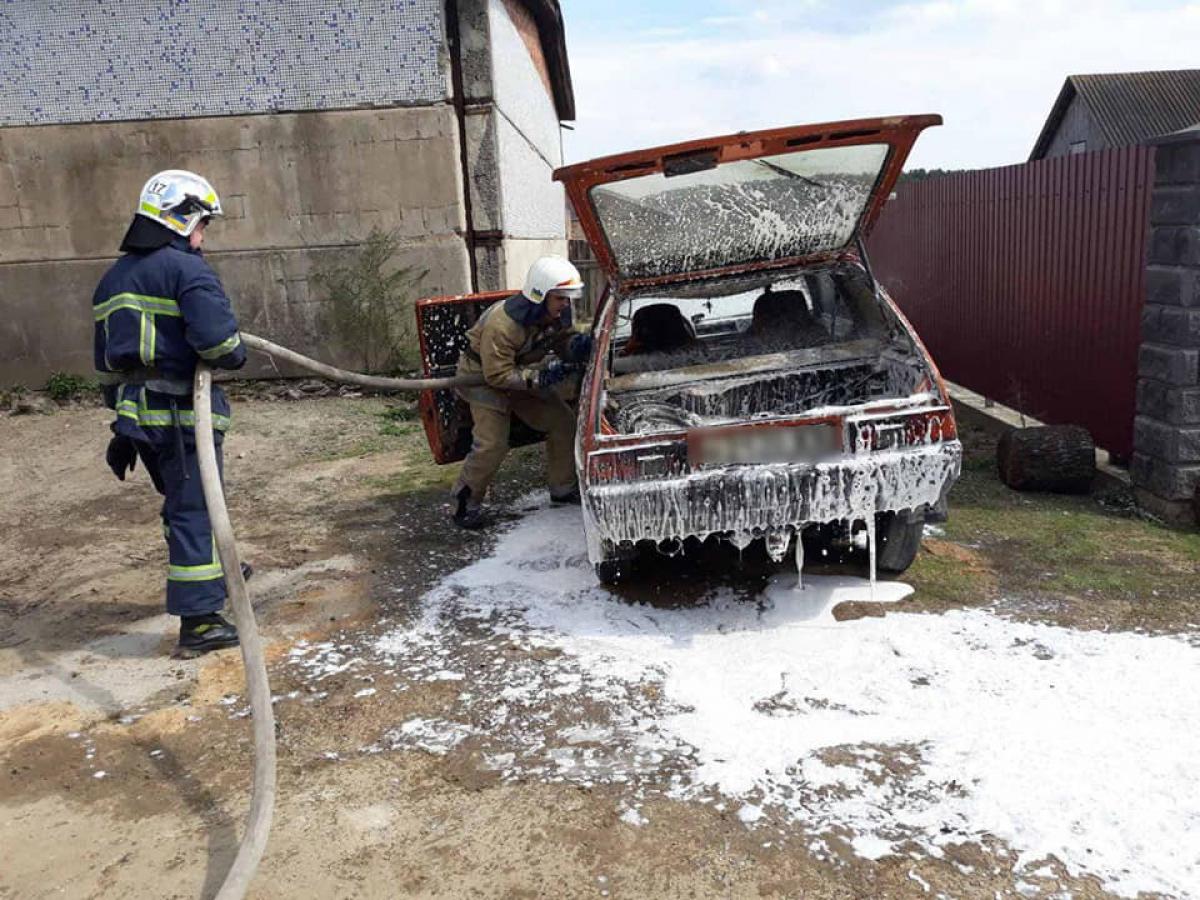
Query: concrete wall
{"x": 513, "y": 142}
{"x": 300, "y": 189}
{"x": 97, "y": 60}
{"x": 521, "y": 84}
{"x": 518, "y": 254}
{"x": 527, "y": 129}
{"x": 1166, "y": 460}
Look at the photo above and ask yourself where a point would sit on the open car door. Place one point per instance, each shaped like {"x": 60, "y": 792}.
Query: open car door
{"x": 442, "y": 325}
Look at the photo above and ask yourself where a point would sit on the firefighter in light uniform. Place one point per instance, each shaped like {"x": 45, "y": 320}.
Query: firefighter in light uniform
{"x": 157, "y": 311}
{"x": 506, "y": 346}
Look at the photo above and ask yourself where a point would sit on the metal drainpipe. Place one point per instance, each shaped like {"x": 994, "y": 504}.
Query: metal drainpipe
{"x": 454, "y": 44}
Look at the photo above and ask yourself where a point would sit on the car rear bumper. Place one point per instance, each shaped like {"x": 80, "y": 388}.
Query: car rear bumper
{"x": 756, "y": 498}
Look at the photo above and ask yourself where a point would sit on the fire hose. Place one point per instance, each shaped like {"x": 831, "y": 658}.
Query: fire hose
{"x": 262, "y": 795}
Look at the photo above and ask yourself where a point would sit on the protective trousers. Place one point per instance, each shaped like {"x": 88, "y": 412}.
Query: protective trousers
{"x": 489, "y": 441}
{"x": 195, "y": 580}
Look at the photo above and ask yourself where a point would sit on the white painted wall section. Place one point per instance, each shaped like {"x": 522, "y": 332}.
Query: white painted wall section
{"x": 518, "y": 88}
{"x": 532, "y": 203}
{"x": 526, "y": 129}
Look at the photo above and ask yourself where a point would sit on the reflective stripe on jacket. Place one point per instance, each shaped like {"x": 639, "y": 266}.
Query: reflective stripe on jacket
{"x": 163, "y": 310}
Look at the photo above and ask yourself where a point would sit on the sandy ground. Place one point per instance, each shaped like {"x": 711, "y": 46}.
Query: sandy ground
{"x": 125, "y": 773}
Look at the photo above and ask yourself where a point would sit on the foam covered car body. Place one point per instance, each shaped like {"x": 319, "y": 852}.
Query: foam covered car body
{"x": 749, "y": 377}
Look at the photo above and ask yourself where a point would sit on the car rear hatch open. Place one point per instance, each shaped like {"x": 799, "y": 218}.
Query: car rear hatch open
{"x": 732, "y": 204}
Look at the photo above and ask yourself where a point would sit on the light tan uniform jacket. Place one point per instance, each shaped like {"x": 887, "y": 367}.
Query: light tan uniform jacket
{"x": 506, "y": 353}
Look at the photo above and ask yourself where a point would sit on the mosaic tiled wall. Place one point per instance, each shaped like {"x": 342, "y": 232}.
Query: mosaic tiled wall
{"x": 101, "y": 60}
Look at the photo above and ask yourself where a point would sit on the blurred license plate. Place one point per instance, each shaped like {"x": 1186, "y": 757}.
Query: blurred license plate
{"x": 803, "y": 443}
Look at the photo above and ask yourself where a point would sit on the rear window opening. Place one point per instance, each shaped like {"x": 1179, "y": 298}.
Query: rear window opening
{"x": 698, "y": 214}
{"x": 722, "y": 353}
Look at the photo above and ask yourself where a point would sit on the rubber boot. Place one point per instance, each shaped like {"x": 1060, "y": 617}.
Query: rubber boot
{"x": 468, "y": 513}
{"x": 200, "y": 634}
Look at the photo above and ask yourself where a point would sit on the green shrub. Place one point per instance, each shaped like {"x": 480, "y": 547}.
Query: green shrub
{"x": 63, "y": 386}
{"x": 369, "y": 304}
{"x": 399, "y": 420}
{"x": 401, "y": 412}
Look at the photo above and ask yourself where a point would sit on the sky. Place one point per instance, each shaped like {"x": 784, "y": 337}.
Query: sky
{"x": 649, "y": 72}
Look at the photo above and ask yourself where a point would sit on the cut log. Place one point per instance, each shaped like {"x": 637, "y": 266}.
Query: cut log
{"x": 1057, "y": 458}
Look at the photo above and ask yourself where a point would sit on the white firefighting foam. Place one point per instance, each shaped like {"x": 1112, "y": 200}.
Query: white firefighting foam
{"x": 753, "y": 499}
{"x": 697, "y": 224}
{"x": 902, "y": 734}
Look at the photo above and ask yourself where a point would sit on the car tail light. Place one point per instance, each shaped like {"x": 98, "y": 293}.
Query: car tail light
{"x": 641, "y": 463}
{"x": 889, "y": 432}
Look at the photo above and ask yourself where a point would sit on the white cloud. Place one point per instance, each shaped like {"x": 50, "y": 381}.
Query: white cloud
{"x": 992, "y": 68}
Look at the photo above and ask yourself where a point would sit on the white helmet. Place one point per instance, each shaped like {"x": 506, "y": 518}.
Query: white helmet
{"x": 552, "y": 273}
{"x": 178, "y": 200}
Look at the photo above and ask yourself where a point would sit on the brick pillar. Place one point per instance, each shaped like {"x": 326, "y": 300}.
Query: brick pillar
{"x": 1166, "y": 445}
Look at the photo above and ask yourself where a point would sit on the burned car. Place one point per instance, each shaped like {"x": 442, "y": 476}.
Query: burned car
{"x": 750, "y": 379}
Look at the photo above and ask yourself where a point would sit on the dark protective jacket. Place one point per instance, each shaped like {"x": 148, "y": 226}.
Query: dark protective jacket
{"x": 156, "y": 314}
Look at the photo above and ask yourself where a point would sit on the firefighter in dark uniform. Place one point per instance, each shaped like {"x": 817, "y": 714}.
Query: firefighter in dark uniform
{"x": 158, "y": 311}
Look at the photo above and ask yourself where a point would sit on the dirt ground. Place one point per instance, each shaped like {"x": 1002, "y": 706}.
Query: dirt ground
{"x": 125, "y": 773}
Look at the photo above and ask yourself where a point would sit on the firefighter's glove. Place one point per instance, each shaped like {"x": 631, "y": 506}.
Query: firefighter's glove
{"x": 121, "y": 455}
{"x": 579, "y": 348}
{"x": 554, "y": 373}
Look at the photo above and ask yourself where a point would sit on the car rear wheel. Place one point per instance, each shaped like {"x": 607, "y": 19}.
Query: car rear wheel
{"x": 898, "y": 535}
{"x": 612, "y": 571}
{"x": 619, "y": 563}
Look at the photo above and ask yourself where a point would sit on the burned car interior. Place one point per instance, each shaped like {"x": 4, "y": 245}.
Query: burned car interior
{"x": 762, "y": 348}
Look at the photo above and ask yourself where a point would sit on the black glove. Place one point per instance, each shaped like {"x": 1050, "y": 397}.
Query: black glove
{"x": 121, "y": 455}
{"x": 554, "y": 372}
{"x": 579, "y": 348}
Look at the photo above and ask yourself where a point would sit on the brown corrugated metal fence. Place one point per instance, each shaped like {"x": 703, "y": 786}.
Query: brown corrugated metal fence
{"x": 1026, "y": 282}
